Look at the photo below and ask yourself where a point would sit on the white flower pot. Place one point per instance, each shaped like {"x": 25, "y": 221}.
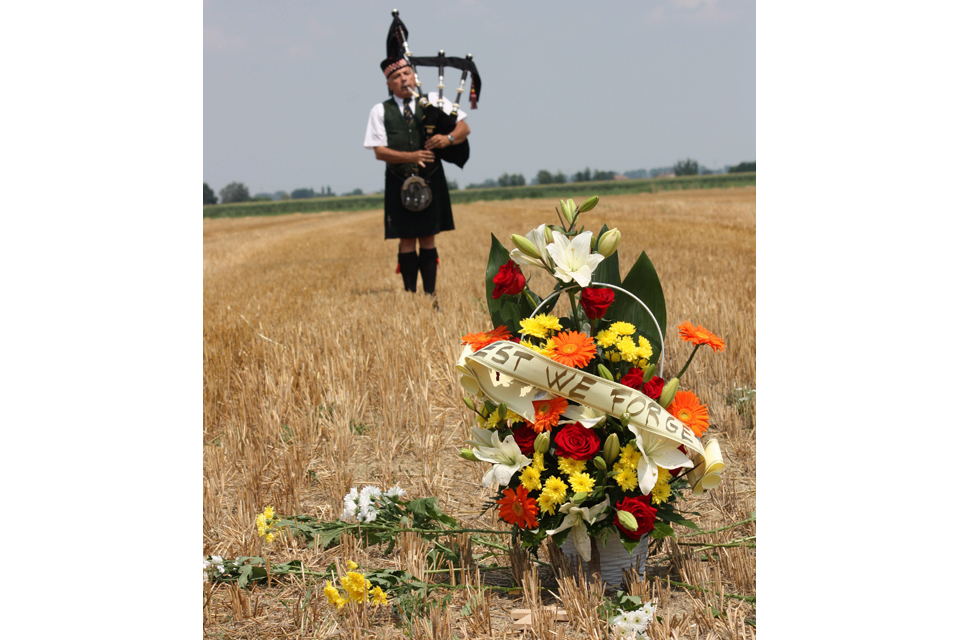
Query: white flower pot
{"x": 614, "y": 559}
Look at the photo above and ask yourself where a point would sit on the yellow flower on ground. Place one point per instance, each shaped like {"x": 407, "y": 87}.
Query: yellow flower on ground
{"x": 530, "y": 479}
{"x": 538, "y": 462}
{"x": 352, "y": 565}
{"x": 377, "y": 596}
{"x": 333, "y": 595}
{"x": 261, "y": 525}
{"x": 623, "y": 328}
{"x": 581, "y": 482}
{"x": 661, "y": 491}
{"x": 268, "y": 512}
{"x": 356, "y": 586}
{"x": 570, "y": 466}
{"x": 268, "y": 537}
{"x": 627, "y": 479}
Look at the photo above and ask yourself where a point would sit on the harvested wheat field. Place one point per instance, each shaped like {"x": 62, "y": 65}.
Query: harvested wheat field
{"x": 320, "y": 374}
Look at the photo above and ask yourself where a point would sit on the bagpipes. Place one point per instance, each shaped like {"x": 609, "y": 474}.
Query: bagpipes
{"x": 435, "y": 119}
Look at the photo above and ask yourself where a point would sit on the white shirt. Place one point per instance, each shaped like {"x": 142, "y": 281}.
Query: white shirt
{"x": 377, "y": 134}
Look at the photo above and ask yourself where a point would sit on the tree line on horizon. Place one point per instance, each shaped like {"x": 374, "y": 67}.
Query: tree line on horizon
{"x": 238, "y": 192}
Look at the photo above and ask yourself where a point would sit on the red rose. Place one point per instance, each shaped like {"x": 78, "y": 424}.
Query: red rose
{"x": 595, "y": 301}
{"x": 654, "y": 388}
{"x": 633, "y": 379}
{"x": 577, "y": 442}
{"x": 509, "y": 280}
{"x": 524, "y": 436}
{"x": 640, "y": 507}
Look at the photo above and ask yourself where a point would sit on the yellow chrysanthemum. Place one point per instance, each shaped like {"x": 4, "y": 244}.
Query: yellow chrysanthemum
{"x": 548, "y": 348}
{"x": 581, "y": 482}
{"x": 493, "y": 420}
{"x": 538, "y": 462}
{"x": 548, "y": 503}
{"x": 613, "y": 356}
{"x": 644, "y": 350}
{"x": 530, "y": 479}
{"x": 629, "y": 456}
{"x": 661, "y": 491}
{"x": 627, "y": 479}
{"x": 513, "y": 417}
{"x": 570, "y": 466}
{"x": 555, "y": 488}
{"x": 377, "y": 596}
{"x": 356, "y": 585}
{"x": 606, "y": 338}
{"x": 532, "y": 327}
{"x": 550, "y": 323}
{"x": 623, "y": 328}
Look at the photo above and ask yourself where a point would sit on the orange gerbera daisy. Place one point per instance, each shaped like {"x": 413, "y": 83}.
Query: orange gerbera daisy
{"x": 516, "y": 507}
{"x": 699, "y": 335}
{"x": 548, "y": 413}
{"x": 480, "y": 340}
{"x": 687, "y": 409}
{"x": 573, "y": 348}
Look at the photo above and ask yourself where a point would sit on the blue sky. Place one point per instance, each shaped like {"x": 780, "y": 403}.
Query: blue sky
{"x": 287, "y": 86}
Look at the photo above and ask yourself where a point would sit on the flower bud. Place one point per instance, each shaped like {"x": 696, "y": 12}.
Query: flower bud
{"x": 502, "y": 411}
{"x": 625, "y": 419}
{"x": 589, "y": 204}
{"x": 467, "y": 401}
{"x": 568, "y": 209}
{"x": 649, "y": 371}
{"x": 548, "y": 234}
{"x": 608, "y": 243}
{"x": 627, "y": 519}
{"x": 604, "y": 372}
{"x": 669, "y": 390}
{"x": 541, "y": 443}
{"x": 467, "y": 454}
{"x": 525, "y": 246}
{"x": 580, "y": 497}
{"x": 600, "y": 463}
{"x": 611, "y": 449}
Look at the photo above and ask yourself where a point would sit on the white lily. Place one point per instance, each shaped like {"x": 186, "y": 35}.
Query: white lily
{"x": 539, "y": 239}
{"x": 656, "y": 451}
{"x": 587, "y": 416}
{"x": 577, "y": 520}
{"x": 506, "y": 455}
{"x": 573, "y": 259}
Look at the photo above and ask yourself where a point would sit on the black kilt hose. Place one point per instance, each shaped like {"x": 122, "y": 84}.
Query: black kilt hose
{"x": 400, "y": 222}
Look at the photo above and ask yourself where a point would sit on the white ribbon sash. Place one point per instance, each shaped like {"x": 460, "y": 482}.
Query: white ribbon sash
{"x": 516, "y": 376}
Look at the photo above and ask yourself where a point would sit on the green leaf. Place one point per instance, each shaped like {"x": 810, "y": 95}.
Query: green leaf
{"x": 672, "y": 516}
{"x": 643, "y": 282}
{"x": 629, "y": 544}
{"x": 608, "y": 271}
{"x": 661, "y": 530}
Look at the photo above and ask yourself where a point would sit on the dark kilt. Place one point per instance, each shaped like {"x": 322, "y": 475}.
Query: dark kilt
{"x": 398, "y": 222}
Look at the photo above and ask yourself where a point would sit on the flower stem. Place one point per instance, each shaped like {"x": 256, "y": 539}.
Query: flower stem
{"x": 526, "y": 292}
{"x": 689, "y": 360}
{"x": 574, "y": 315}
